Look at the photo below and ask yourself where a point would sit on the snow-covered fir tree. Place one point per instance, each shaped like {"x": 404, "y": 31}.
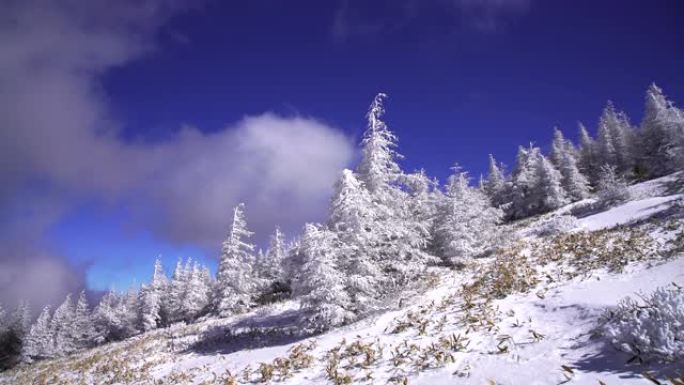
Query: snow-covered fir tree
{"x": 588, "y": 161}
{"x": 176, "y": 291}
{"x": 197, "y": 294}
{"x": 234, "y": 282}
{"x": 495, "y": 184}
{"x": 353, "y": 219}
{"x": 524, "y": 181}
{"x": 39, "y": 341}
{"x": 82, "y": 327}
{"x": 321, "y": 285}
{"x": 466, "y": 221}
{"x": 611, "y": 187}
{"x": 615, "y": 136}
{"x": 549, "y": 191}
{"x": 575, "y": 184}
{"x": 152, "y": 296}
{"x": 104, "y": 318}
{"x": 61, "y": 328}
{"x": 662, "y": 131}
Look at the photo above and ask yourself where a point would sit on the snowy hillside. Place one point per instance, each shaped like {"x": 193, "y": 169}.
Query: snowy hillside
{"x": 531, "y": 313}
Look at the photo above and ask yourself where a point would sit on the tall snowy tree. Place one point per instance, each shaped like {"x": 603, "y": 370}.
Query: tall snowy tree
{"x": 573, "y": 181}
{"x": 614, "y": 144}
{"x": 39, "y": 341}
{"x": 196, "y": 298}
{"x": 152, "y": 297}
{"x": 378, "y": 169}
{"x": 235, "y": 284}
{"x": 104, "y": 318}
{"x": 466, "y": 221}
{"x": 82, "y": 327}
{"x": 176, "y": 292}
{"x": 271, "y": 264}
{"x": 588, "y": 161}
{"x": 551, "y": 194}
{"x": 611, "y": 187}
{"x": 662, "y": 132}
{"x": 354, "y": 221}
{"x": 524, "y": 181}
{"x": 495, "y": 184}
{"x": 322, "y": 284}
{"x": 559, "y": 146}
{"x": 61, "y": 327}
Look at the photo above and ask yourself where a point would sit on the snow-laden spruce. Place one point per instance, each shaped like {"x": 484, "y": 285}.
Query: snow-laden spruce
{"x": 466, "y": 224}
{"x": 651, "y": 327}
{"x": 234, "y": 285}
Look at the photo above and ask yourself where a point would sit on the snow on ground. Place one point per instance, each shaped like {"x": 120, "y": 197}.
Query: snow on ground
{"x": 545, "y": 336}
{"x": 628, "y": 212}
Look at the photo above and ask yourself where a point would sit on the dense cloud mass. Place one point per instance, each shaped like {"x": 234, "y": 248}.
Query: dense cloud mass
{"x": 60, "y": 145}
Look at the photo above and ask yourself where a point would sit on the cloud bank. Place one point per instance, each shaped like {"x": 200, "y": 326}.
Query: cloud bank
{"x": 60, "y": 146}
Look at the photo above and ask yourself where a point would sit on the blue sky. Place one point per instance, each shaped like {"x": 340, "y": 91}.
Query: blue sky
{"x": 153, "y": 123}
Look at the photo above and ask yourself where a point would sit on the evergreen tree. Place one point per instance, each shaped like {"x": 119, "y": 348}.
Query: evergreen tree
{"x": 39, "y": 342}
{"x": 176, "y": 292}
{"x": 196, "y": 298}
{"x": 588, "y": 161}
{"x": 61, "y": 328}
{"x": 549, "y": 188}
{"x": 152, "y": 297}
{"x": 271, "y": 265}
{"x": 466, "y": 221}
{"x": 662, "y": 130}
{"x": 104, "y": 318}
{"x": 322, "y": 285}
{"x": 559, "y": 146}
{"x": 82, "y": 327}
{"x": 235, "y": 284}
{"x": 354, "y": 221}
{"x": 524, "y": 181}
{"x": 378, "y": 169}
{"x": 495, "y": 185}
{"x": 611, "y": 187}
{"x": 574, "y": 183}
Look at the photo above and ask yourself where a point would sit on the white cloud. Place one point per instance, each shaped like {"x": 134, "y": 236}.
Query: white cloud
{"x": 59, "y": 144}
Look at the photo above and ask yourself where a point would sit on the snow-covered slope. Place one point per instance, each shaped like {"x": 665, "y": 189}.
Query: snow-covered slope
{"x": 543, "y": 330}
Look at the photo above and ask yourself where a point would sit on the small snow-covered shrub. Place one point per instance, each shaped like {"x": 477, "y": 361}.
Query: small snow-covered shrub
{"x": 650, "y": 328}
{"x": 556, "y": 225}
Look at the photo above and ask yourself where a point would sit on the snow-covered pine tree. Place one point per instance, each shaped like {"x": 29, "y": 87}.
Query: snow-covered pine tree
{"x": 234, "y": 282}
{"x": 105, "y": 318}
{"x": 127, "y": 314}
{"x": 605, "y": 148}
{"x": 575, "y": 184}
{"x": 378, "y": 169}
{"x": 176, "y": 292}
{"x": 588, "y": 161}
{"x": 152, "y": 297}
{"x": 321, "y": 284}
{"x": 39, "y": 341}
{"x": 61, "y": 328}
{"x": 82, "y": 327}
{"x": 466, "y": 223}
{"x": 495, "y": 184}
{"x": 559, "y": 147}
{"x": 20, "y": 319}
{"x": 662, "y": 132}
{"x": 551, "y": 194}
{"x": 614, "y": 144}
{"x": 399, "y": 239}
{"x": 524, "y": 181}
{"x": 353, "y": 219}
{"x": 612, "y": 187}
{"x": 196, "y": 298}
{"x": 13, "y": 331}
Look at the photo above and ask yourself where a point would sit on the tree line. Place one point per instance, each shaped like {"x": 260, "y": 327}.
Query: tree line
{"x": 384, "y": 227}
